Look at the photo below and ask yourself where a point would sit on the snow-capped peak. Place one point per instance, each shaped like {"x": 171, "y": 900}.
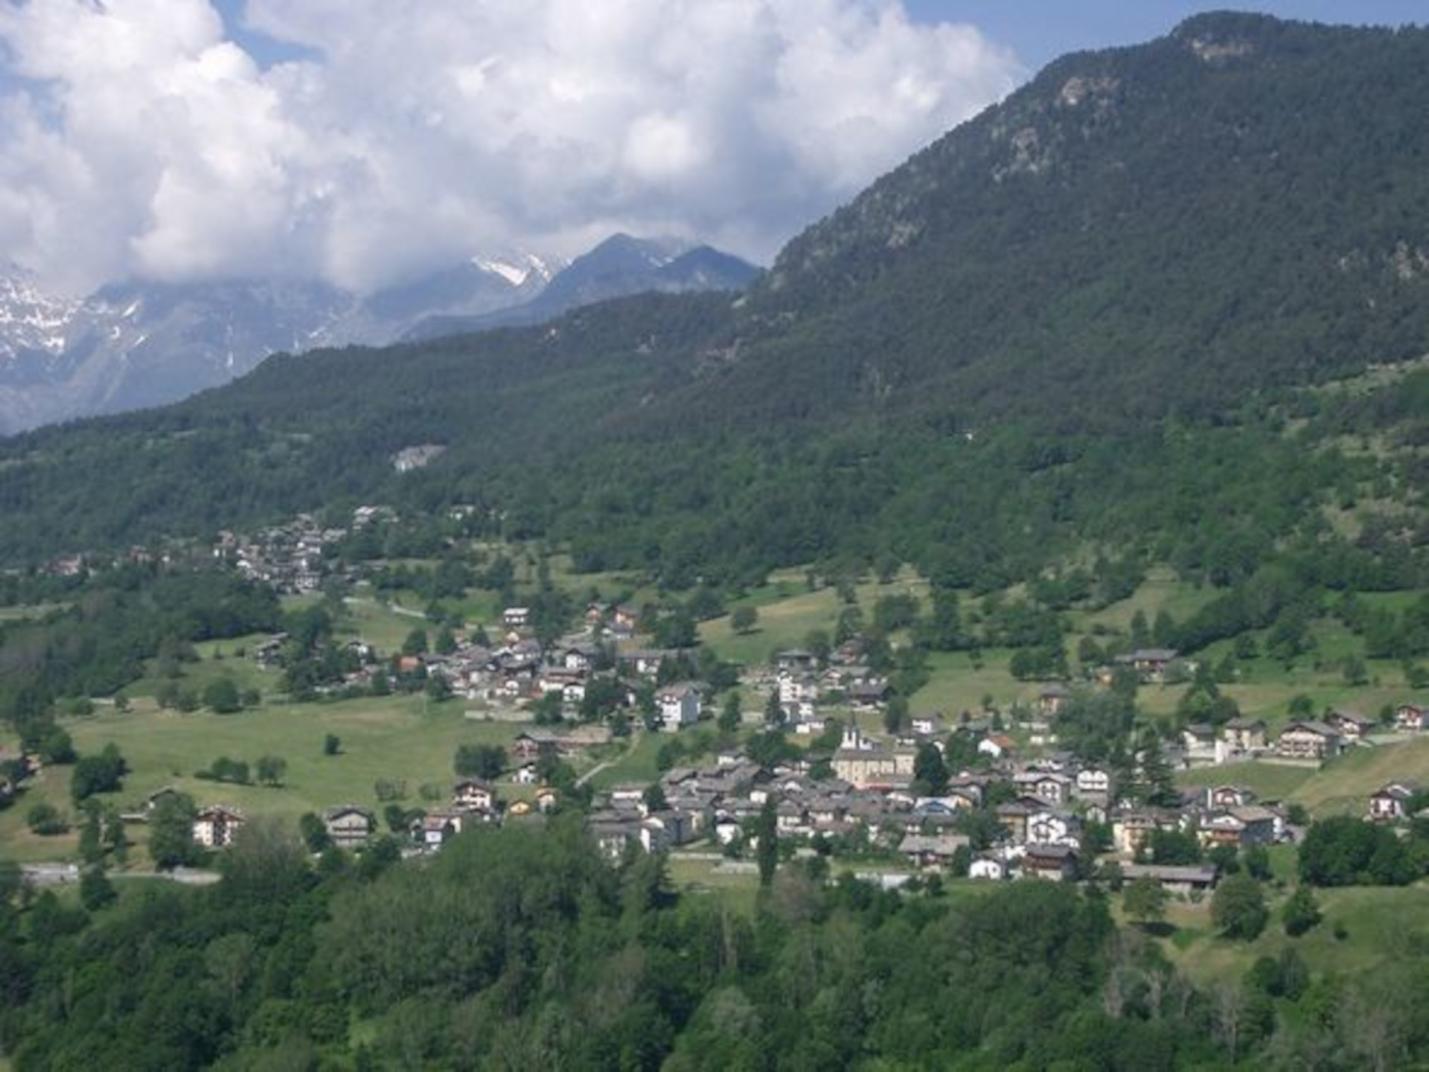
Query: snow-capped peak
{"x": 516, "y": 270}
{"x": 30, "y": 319}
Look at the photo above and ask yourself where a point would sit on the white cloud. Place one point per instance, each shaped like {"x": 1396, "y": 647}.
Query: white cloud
{"x": 139, "y": 140}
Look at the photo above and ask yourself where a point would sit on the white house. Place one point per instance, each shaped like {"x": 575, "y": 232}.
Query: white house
{"x": 1093, "y": 781}
{"x": 988, "y": 867}
{"x": 679, "y": 706}
{"x": 216, "y": 825}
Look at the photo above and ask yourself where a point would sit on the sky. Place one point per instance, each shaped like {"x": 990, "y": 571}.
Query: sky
{"x": 364, "y": 142}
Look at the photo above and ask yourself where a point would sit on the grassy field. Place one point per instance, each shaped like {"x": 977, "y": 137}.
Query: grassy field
{"x": 1381, "y": 925}
{"x": 1268, "y": 781}
{"x": 384, "y": 627}
{"x": 1342, "y": 786}
{"x": 33, "y": 610}
{"x": 635, "y": 766}
{"x": 216, "y": 659}
{"x": 957, "y": 685}
{"x": 788, "y": 612}
{"x": 395, "y": 738}
{"x": 1161, "y": 591}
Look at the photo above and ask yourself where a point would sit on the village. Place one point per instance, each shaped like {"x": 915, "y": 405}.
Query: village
{"x": 990, "y": 793}
{"x": 1021, "y": 809}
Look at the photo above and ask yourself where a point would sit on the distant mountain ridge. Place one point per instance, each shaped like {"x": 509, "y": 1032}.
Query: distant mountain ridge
{"x": 141, "y": 344}
{"x": 619, "y": 266}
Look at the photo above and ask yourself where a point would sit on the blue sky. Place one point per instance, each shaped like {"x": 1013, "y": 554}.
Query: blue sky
{"x": 1038, "y": 30}
{"x": 1041, "y": 30}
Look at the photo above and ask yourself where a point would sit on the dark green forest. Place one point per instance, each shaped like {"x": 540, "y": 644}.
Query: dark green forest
{"x": 523, "y": 948}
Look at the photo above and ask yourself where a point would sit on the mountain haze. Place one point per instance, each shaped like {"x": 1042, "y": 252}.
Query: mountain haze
{"x": 1106, "y": 312}
{"x": 142, "y": 344}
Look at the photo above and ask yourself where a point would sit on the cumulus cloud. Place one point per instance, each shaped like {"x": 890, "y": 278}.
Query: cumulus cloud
{"x": 137, "y": 138}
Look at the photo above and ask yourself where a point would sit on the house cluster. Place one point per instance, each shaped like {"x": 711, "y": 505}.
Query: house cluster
{"x": 1152, "y": 665}
{"x": 872, "y": 802}
{"x": 1310, "y": 740}
{"x": 351, "y": 826}
{"x": 519, "y": 668}
{"x": 289, "y": 557}
{"x": 806, "y": 689}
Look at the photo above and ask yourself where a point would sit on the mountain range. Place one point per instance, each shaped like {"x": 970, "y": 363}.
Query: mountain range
{"x": 142, "y": 344}
{"x": 1163, "y": 301}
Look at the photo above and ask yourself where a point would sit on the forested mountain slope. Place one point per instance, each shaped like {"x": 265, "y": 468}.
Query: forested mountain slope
{"x": 1090, "y": 316}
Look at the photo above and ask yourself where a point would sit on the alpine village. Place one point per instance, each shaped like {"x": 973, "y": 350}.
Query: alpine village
{"x": 996, "y": 637}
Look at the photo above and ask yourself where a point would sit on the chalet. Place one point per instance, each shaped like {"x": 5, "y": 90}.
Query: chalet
{"x": 349, "y": 826}
{"x": 796, "y": 688}
{"x": 528, "y": 746}
{"x": 932, "y": 851}
{"x": 630, "y": 793}
{"x": 1094, "y": 782}
{"x": 1057, "y": 863}
{"x": 614, "y": 834}
{"x": 216, "y": 825}
{"x": 1351, "y": 725}
{"x": 1412, "y": 717}
{"x": 472, "y": 794}
{"x": 569, "y": 683}
{"x": 868, "y": 694}
{"x": 1199, "y": 744}
{"x": 516, "y": 617}
{"x": 1391, "y": 803}
{"x": 930, "y": 725}
{"x": 1239, "y": 827}
{"x": 1219, "y": 797}
{"x": 997, "y": 745}
{"x": 1308, "y": 739}
{"x": 546, "y": 799}
{"x": 795, "y": 661}
{"x": 1053, "y": 827}
{"x": 989, "y": 868}
{"x": 526, "y": 774}
{"x": 790, "y": 817}
{"x": 1053, "y": 700}
{"x": 1131, "y": 829}
{"x": 1150, "y": 663}
{"x": 1052, "y": 788}
{"x": 1172, "y": 879}
{"x": 679, "y": 706}
{"x": 645, "y": 662}
{"x": 1013, "y": 817}
{"x": 1242, "y": 736}
{"x": 157, "y": 797}
{"x": 435, "y": 830}
{"x": 580, "y": 657}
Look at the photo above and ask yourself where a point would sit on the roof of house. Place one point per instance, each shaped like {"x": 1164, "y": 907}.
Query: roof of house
{"x": 933, "y": 844}
{"x": 1050, "y": 852}
{"x": 225, "y": 811}
{"x": 1345, "y": 715}
{"x": 1170, "y": 873}
{"x": 1311, "y": 725}
{"x": 340, "y": 810}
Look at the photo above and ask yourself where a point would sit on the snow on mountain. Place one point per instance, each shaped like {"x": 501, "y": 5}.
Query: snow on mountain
{"x": 137, "y": 344}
